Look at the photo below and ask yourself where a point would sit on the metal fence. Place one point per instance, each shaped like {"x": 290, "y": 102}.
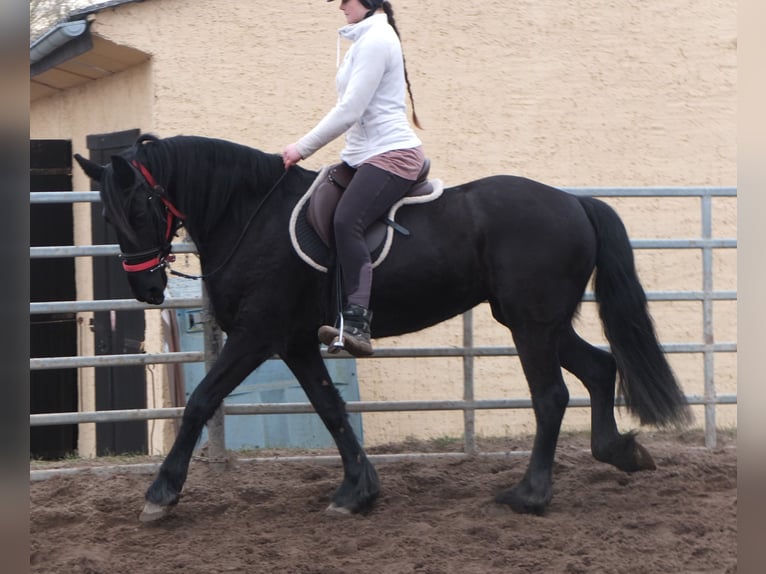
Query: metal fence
{"x": 468, "y": 351}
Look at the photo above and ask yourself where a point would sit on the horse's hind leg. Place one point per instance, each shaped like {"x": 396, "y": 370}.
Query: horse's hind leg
{"x": 236, "y": 361}
{"x": 597, "y": 370}
{"x": 537, "y": 350}
{"x": 360, "y": 486}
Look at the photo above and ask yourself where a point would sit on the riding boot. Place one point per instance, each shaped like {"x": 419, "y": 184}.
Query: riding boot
{"x": 356, "y": 331}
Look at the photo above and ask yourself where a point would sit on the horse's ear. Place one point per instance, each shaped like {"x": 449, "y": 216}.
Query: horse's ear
{"x": 124, "y": 174}
{"x": 91, "y": 168}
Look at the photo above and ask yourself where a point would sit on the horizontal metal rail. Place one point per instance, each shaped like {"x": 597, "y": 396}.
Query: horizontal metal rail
{"x": 52, "y": 252}
{"x": 323, "y": 459}
{"x": 95, "y": 250}
{"x": 128, "y": 359}
{"x": 64, "y": 197}
{"x": 111, "y": 305}
{"x": 306, "y": 408}
{"x": 192, "y": 302}
{"x": 652, "y": 191}
{"x": 116, "y": 360}
{"x": 691, "y": 243}
{"x": 93, "y": 196}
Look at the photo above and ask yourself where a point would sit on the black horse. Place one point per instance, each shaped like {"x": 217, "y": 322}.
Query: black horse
{"x": 526, "y": 248}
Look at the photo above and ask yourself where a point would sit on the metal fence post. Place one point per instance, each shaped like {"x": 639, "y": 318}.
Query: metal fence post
{"x": 707, "y": 323}
{"x": 469, "y": 415}
{"x": 215, "y": 426}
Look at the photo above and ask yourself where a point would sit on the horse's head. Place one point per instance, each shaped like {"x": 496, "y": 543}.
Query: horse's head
{"x": 143, "y": 218}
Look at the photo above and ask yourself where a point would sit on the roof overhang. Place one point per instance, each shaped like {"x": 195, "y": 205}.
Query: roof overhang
{"x": 69, "y": 55}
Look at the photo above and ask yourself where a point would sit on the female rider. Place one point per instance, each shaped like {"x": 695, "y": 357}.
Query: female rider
{"x": 381, "y": 148}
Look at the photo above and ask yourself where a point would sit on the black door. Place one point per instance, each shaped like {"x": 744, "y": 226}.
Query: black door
{"x": 52, "y": 335}
{"x": 116, "y": 332}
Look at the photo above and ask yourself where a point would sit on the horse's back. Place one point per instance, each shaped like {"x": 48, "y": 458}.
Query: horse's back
{"x": 504, "y": 212}
{"x": 519, "y": 198}
{"x": 497, "y": 238}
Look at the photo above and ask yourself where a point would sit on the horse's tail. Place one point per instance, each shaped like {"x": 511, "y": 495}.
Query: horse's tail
{"x": 646, "y": 380}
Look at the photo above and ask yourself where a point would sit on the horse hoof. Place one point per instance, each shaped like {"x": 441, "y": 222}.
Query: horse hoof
{"x": 338, "y": 510}
{"x": 522, "y": 501}
{"x": 153, "y": 512}
{"x": 644, "y": 460}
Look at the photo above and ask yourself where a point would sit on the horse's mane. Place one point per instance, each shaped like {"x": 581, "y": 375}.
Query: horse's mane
{"x": 207, "y": 177}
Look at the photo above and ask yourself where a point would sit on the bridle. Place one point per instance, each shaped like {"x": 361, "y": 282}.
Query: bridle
{"x": 160, "y": 256}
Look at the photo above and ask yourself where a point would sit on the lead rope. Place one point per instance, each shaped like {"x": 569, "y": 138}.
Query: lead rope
{"x": 238, "y": 242}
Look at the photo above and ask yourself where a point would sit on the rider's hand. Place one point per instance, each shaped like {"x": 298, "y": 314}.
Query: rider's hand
{"x": 291, "y": 155}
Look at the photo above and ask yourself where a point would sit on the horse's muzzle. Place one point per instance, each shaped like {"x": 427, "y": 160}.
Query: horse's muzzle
{"x": 151, "y": 293}
{"x": 154, "y": 297}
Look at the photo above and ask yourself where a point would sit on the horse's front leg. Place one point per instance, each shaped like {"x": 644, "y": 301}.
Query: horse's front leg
{"x": 360, "y": 485}
{"x": 236, "y": 361}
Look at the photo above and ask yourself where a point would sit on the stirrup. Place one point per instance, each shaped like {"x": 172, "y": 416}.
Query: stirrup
{"x": 337, "y": 345}
{"x": 332, "y": 336}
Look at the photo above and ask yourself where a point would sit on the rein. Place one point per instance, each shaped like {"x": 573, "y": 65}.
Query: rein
{"x": 162, "y": 262}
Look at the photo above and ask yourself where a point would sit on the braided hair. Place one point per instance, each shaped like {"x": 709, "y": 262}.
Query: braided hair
{"x": 373, "y": 6}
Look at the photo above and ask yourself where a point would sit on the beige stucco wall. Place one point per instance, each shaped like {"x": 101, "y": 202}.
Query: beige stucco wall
{"x": 74, "y": 115}
{"x": 569, "y": 92}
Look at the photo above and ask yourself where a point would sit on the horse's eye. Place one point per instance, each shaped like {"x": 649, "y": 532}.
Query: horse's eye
{"x": 105, "y": 216}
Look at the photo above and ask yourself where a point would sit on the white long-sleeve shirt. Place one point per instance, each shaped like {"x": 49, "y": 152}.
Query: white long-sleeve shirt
{"x": 371, "y": 108}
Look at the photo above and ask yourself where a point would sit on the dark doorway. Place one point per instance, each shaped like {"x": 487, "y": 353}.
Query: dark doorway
{"x": 52, "y": 334}
{"x": 116, "y": 332}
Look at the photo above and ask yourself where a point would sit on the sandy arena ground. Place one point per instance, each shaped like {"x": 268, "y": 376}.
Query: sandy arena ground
{"x": 434, "y": 516}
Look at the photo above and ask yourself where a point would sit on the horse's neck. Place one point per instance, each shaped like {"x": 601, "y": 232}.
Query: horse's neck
{"x": 243, "y": 209}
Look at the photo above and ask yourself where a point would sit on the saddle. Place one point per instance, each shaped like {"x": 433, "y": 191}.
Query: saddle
{"x": 311, "y": 222}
